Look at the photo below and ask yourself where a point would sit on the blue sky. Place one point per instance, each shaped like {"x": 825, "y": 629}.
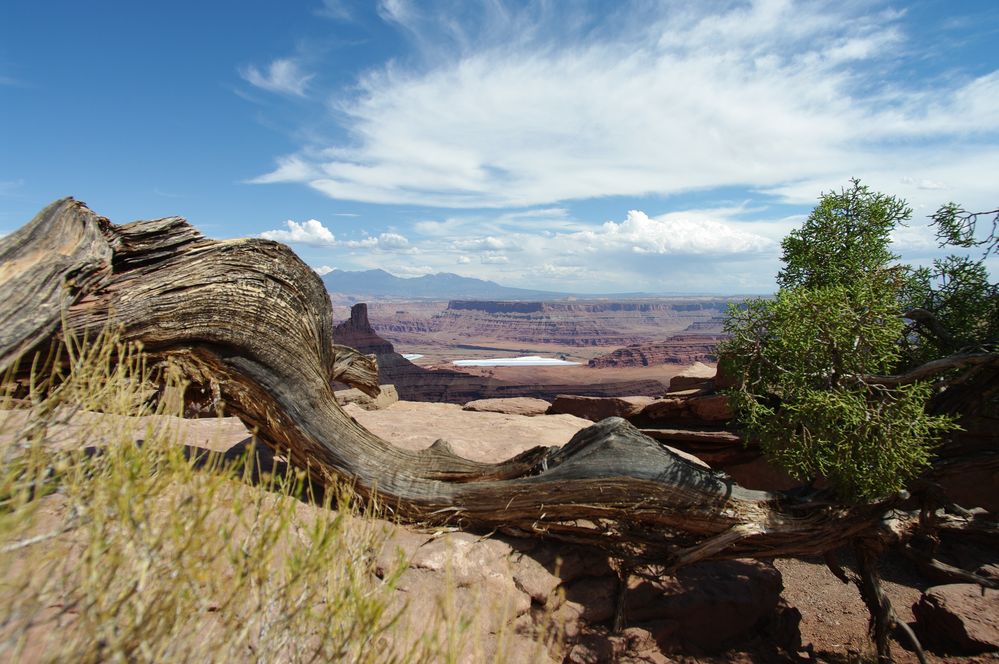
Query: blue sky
{"x": 605, "y": 146}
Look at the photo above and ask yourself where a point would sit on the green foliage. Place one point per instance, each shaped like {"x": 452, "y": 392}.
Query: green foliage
{"x": 954, "y": 304}
{"x": 845, "y": 239}
{"x": 959, "y": 228}
{"x": 809, "y": 358}
{"x": 964, "y": 306}
{"x": 802, "y": 357}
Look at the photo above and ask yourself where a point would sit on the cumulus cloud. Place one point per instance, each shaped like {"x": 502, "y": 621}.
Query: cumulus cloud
{"x": 488, "y": 243}
{"x": 392, "y": 241}
{"x": 528, "y": 112}
{"x": 308, "y": 232}
{"x": 384, "y": 241}
{"x": 313, "y": 232}
{"x": 283, "y": 76}
{"x": 323, "y": 269}
{"x": 674, "y": 251}
{"x": 674, "y": 233}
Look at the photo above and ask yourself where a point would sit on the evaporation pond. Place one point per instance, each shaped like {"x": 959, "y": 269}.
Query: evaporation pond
{"x": 528, "y": 361}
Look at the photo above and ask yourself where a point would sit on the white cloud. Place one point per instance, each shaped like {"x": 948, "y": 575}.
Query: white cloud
{"x": 681, "y": 251}
{"x": 366, "y": 243}
{"x": 323, "y": 269}
{"x": 289, "y": 169}
{"x": 488, "y": 243}
{"x": 283, "y": 76}
{"x": 308, "y": 232}
{"x": 931, "y": 185}
{"x": 313, "y": 232}
{"x": 675, "y": 233}
{"x": 392, "y": 241}
{"x": 384, "y": 242}
{"x": 765, "y": 94}
{"x": 412, "y": 270}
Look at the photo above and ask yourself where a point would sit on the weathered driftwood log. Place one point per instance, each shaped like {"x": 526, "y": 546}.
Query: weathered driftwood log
{"x": 253, "y": 319}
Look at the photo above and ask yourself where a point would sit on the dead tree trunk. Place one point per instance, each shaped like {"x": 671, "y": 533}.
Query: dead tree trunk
{"x": 250, "y": 317}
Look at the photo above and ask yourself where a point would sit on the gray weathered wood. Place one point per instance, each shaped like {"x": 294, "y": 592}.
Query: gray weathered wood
{"x": 255, "y": 320}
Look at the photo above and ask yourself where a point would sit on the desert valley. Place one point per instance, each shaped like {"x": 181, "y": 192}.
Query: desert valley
{"x": 613, "y": 346}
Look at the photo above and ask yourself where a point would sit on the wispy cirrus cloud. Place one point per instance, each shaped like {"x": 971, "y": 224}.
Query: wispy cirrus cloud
{"x": 282, "y": 75}
{"x": 335, "y": 9}
{"x": 508, "y": 108}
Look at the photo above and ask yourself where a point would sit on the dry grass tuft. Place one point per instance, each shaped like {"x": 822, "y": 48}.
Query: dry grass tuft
{"x": 111, "y": 550}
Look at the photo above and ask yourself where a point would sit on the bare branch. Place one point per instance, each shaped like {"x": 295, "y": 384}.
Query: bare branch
{"x": 933, "y": 368}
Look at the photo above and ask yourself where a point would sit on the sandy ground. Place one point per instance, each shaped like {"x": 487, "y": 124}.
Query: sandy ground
{"x": 575, "y": 375}
{"x": 487, "y": 437}
{"x": 834, "y": 620}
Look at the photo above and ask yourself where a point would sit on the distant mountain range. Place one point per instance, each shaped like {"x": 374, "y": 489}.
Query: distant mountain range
{"x": 443, "y": 285}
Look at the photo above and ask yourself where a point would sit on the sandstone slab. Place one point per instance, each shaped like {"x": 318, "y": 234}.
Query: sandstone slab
{"x": 714, "y": 408}
{"x": 599, "y": 408}
{"x": 511, "y": 406}
{"x": 488, "y": 437}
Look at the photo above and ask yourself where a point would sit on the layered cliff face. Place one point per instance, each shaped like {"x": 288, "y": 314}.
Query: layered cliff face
{"x": 681, "y": 349}
{"x": 566, "y": 323}
{"x": 416, "y": 383}
{"x": 357, "y": 332}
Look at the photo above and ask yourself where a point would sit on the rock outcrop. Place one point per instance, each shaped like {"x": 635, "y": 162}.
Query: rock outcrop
{"x": 598, "y": 408}
{"x": 530, "y": 589}
{"x": 697, "y": 376}
{"x": 526, "y": 406}
{"x": 959, "y": 618}
{"x": 678, "y": 349}
{"x": 357, "y": 332}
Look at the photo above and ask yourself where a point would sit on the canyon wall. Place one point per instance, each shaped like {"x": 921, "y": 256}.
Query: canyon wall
{"x": 571, "y": 323}
{"x": 416, "y": 383}
{"x": 682, "y": 349}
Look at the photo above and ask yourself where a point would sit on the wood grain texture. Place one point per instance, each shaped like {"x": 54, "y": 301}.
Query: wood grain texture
{"x": 253, "y": 319}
